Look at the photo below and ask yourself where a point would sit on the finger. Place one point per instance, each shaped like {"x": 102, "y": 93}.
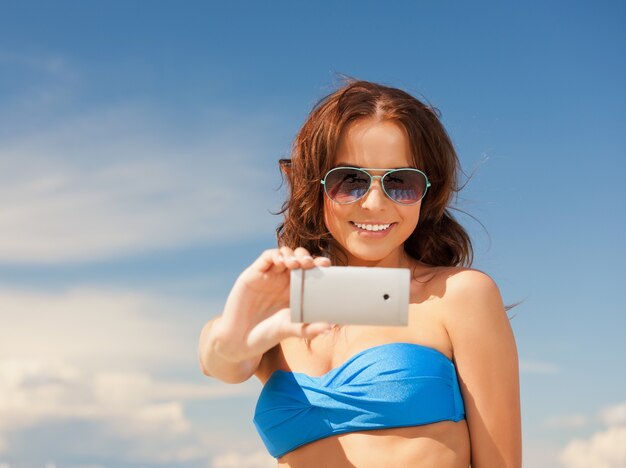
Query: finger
{"x": 303, "y": 256}
{"x": 280, "y": 322}
{"x": 290, "y": 259}
{"x": 301, "y": 252}
{"x": 322, "y": 262}
{"x": 286, "y": 251}
{"x": 305, "y": 330}
{"x": 279, "y": 262}
{"x": 265, "y": 261}
{"x": 311, "y": 330}
{"x": 270, "y": 260}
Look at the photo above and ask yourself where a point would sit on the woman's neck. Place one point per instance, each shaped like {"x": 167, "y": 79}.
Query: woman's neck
{"x": 397, "y": 259}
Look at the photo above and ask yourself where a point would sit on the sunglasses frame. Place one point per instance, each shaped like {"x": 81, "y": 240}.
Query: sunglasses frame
{"x": 372, "y": 177}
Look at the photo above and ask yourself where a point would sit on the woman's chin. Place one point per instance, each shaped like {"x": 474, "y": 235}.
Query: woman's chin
{"x": 364, "y": 257}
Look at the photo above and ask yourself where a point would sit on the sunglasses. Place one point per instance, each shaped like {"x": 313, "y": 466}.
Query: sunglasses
{"x": 344, "y": 185}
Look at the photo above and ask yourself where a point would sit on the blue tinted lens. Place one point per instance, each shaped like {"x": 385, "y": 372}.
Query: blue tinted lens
{"x": 405, "y": 186}
{"x": 346, "y": 185}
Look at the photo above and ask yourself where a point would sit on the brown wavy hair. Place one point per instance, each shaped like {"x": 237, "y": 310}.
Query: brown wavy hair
{"x": 438, "y": 239}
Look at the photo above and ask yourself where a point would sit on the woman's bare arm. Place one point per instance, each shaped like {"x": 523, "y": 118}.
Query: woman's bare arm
{"x": 256, "y": 316}
{"x": 214, "y": 364}
{"x": 486, "y": 358}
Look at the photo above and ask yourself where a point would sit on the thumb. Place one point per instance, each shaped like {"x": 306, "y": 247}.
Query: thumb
{"x": 307, "y": 330}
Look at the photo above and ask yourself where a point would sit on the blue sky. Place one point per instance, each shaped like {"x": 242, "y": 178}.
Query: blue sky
{"x": 123, "y": 125}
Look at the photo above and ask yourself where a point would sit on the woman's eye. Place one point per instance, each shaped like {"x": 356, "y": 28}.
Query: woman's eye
{"x": 351, "y": 179}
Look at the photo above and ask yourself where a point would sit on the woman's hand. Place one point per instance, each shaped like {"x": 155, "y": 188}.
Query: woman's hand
{"x": 256, "y": 316}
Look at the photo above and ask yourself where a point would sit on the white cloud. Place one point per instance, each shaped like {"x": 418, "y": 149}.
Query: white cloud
{"x": 258, "y": 459}
{"x": 103, "y": 329}
{"x": 567, "y": 421}
{"x": 145, "y": 412}
{"x": 81, "y": 183}
{"x": 123, "y": 335}
{"x": 537, "y": 367}
{"x": 87, "y": 356}
{"x": 614, "y": 415}
{"x": 111, "y": 330}
{"x": 101, "y": 185}
{"x": 124, "y": 389}
{"x": 32, "y": 391}
{"x": 604, "y": 449}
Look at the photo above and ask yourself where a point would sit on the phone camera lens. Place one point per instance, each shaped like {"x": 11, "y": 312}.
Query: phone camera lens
{"x": 386, "y": 296}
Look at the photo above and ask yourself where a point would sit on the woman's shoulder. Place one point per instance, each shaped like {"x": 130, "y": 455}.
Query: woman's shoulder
{"x": 471, "y": 297}
{"x": 461, "y": 289}
{"x": 458, "y": 279}
{"x": 471, "y": 283}
{"x": 466, "y": 303}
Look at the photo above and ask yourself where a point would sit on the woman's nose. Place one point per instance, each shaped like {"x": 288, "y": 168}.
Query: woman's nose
{"x": 375, "y": 197}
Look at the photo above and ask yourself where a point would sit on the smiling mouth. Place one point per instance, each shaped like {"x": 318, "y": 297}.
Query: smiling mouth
{"x": 372, "y": 227}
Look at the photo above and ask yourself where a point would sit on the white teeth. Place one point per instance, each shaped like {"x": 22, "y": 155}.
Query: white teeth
{"x": 372, "y": 227}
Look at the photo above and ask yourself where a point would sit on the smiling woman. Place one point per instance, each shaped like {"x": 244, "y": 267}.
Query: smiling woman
{"x": 371, "y": 177}
{"x": 367, "y": 231}
{"x": 367, "y": 125}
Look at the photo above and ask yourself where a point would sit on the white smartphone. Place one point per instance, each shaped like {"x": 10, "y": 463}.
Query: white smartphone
{"x": 350, "y": 295}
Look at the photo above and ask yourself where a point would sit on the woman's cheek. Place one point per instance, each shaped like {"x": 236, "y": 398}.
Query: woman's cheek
{"x": 330, "y": 219}
{"x": 336, "y": 221}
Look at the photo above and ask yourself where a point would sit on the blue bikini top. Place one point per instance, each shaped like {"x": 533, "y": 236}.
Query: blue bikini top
{"x": 390, "y": 385}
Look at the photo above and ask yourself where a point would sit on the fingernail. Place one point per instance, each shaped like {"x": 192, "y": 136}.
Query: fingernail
{"x": 307, "y": 257}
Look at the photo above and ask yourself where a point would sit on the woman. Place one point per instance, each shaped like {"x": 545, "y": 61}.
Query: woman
{"x": 371, "y": 178}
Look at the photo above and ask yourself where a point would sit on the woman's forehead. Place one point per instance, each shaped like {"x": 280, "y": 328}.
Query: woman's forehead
{"x": 370, "y": 143}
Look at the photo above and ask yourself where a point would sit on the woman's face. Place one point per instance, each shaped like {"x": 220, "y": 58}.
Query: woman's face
{"x": 370, "y": 143}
